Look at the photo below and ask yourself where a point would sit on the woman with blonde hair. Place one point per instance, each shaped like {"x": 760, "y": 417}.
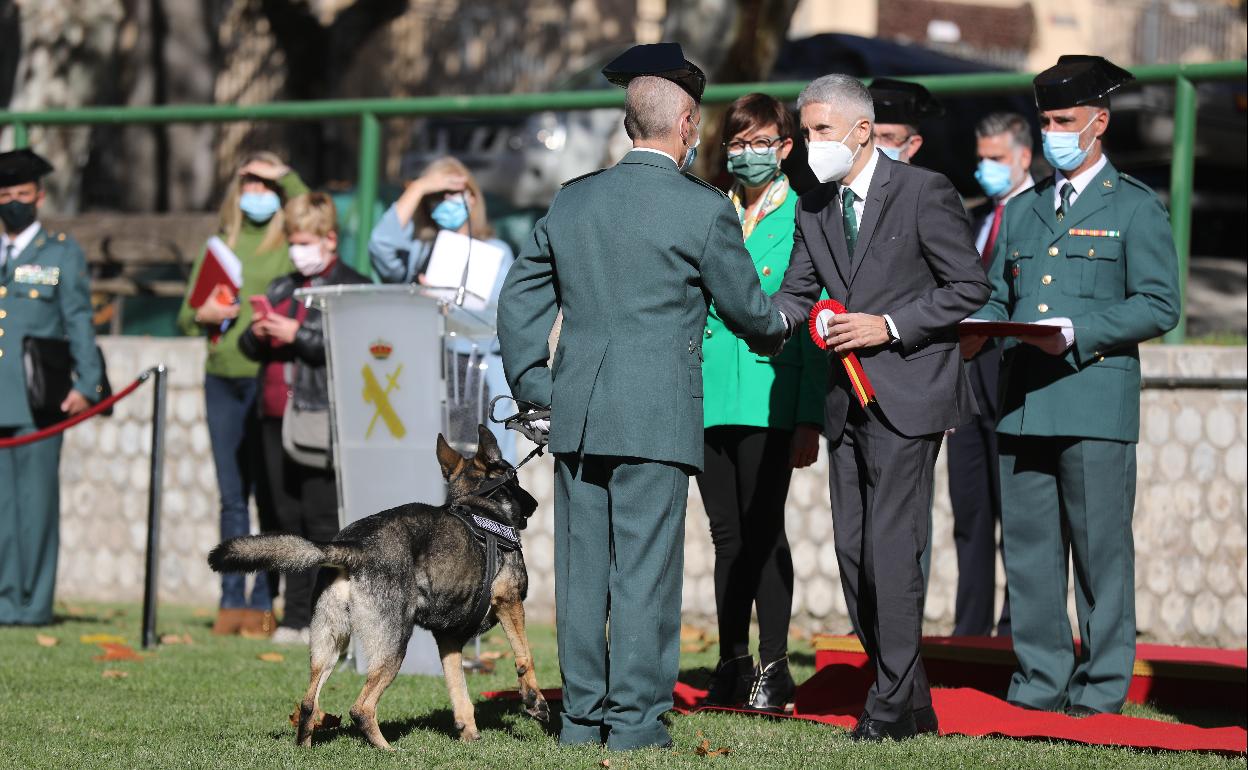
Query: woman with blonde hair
{"x": 444, "y": 197}
{"x": 252, "y": 226}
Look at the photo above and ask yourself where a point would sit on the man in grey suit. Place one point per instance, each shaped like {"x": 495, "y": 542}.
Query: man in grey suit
{"x": 632, "y": 255}
{"x": 892, "y": 243}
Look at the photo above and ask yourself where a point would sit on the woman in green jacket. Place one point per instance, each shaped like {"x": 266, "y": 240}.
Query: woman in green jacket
{"x": 763, "y": 417}
{"x": 252, "y": 227}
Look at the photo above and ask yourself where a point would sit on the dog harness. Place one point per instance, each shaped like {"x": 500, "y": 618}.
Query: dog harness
{"x": 494, "y": 538}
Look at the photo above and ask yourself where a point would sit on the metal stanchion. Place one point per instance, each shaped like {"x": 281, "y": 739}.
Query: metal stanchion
{"x": 152, "y": 567}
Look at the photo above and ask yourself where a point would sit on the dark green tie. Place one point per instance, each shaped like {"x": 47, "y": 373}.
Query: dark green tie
{"x": 1063, "y": 208}
{"x": 849, "y": 218}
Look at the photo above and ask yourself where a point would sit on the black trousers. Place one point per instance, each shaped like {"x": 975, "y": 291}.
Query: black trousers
{"x": 306, "y": 503}
{"x": 744, "y": 488}
{"x": 975, "y": 493}
{"x": 880, "y": 483}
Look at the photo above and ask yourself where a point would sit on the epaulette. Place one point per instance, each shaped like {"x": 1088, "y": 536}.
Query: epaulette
{"x": 706, "y": 184}
{"x": 576, "y": 179}
{"x": 1136, "y": 183}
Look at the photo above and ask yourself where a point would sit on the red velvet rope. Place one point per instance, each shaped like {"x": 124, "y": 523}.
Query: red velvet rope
{"x": 86, "y": 414}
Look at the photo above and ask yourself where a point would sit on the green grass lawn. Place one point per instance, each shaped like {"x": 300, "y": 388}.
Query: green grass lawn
{"x": 215, "y": 703}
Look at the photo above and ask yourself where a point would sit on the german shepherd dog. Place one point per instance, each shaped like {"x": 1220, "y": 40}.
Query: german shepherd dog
{"x": 412, "y": 565}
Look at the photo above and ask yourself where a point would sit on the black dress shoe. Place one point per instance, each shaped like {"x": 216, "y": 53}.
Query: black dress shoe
{"x": 772, "y": 688}
{"x": 731, "y": 685}
{"x": 925, "y": 721}
{"x": 1079, "y": 712}
{"x": 877, "y": 729}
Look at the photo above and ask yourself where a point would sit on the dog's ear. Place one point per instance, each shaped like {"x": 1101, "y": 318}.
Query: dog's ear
{"x": 448, "y": 458}
{"x": 487, "y": 446}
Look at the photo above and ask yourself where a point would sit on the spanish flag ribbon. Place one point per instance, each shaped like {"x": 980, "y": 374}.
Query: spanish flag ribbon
{"x": 820, "y": 315}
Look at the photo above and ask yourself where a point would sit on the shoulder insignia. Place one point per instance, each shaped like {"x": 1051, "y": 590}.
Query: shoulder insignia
{"x": 1136, "y": 183}
{"x": 1108, "y": 184}
{"x": 706, "y": 184}
{"x": 576, "y": 179}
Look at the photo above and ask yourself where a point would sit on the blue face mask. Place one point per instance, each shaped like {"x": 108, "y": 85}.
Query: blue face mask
{"x": 259, "y": 207}
{"x": 451, "y": 213}
{"x": 994, "y": 177}
{"x": 893, "y": 153}
{"x": 1061, "y": 148}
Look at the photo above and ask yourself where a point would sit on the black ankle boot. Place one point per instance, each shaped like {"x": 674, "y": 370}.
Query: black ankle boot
{"x": 772, "y": 688}
{"x": 731, "y": 685}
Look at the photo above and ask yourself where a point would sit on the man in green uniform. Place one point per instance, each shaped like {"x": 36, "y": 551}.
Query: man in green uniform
{"x": 44, "y": 292}
{"x": 633, "y": 255}
{"x": 1088, "y": 250}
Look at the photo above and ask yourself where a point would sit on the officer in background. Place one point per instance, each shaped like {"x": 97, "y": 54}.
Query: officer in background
{"x": 1088, "y": 250}
{"x": 1003, "y": 144}
{"x": 632, "y": 255}
{"x": 44, "y": 292}
{"x": 899, "y": 107}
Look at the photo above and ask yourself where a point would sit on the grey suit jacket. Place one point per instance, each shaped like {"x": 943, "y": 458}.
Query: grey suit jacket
{"x": 915, "y": 260}
{"x": 633, "y": 255}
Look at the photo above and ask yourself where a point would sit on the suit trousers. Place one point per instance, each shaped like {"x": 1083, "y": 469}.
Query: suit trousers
{"x": 306, "y": 503}
{"x": 881, "y": 490}
{"x": 619, "y": 566}
{"x": 30, "y": 520}
{"x": 1077, "y": 496}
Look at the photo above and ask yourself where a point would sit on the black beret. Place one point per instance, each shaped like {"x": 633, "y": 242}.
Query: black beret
{"x": 1078, "y": 79}
{"x": 22, "y": 166}
{"x": 898, "y": 101}
{"x": 663, "y": 60}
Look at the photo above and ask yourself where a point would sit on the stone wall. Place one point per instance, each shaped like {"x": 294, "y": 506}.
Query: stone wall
{"x": 1191, "y": 543}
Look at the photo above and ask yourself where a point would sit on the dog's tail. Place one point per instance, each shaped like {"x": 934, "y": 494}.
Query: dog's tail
{"x": 285, "y": 553}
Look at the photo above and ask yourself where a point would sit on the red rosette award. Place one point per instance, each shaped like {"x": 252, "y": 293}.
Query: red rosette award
{"x": 820, "y": 316}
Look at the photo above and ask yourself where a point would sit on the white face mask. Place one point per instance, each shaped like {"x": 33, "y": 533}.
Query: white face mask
{"x": 309, "y": 258}
{"x": 831, "y": 161}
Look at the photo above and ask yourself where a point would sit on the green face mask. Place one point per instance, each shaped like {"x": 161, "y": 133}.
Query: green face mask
{"x": 753, "y": 169}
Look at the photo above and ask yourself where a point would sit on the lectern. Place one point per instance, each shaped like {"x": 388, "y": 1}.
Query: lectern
{"x": 403, "y": 366}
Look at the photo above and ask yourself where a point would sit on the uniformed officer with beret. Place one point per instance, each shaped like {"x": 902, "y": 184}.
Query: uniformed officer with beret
{"x": 899, "y": 108}
{"x": 44, "y": 292}
{"x": 632, "y": 255}
{"x": 1088, "y": 250}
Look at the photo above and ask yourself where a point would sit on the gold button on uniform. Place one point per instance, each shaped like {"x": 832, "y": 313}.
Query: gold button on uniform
{"x": 34, "y": 293}
{"x": 4, "y": 290}
{"x": 1052, "y": 251}
{"x": 708, "y": 333}
{"x": 1100, "y": 358}
{"x": 1043, "y": 308}
{"x": 1, "y": 354}
{"x": 1048, "y": 279}
{"x": 4, "y": 314}
{"x": 1091, "y": 252}
{"x": 766, "y": 271}
{"x": 1, "y": 332}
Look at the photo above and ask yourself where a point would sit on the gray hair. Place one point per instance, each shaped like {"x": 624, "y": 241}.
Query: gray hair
{"x": 847, "y": 96}
{"x": 652, "y": 107}
{"x": 1006, "y": 123}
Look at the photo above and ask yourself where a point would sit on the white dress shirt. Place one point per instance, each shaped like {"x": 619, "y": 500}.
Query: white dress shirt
{"x": 1080, "y": 181}
{"x": 656, "y": 152}
{"x": 985, "y": 226}
{"x": 860, "y": 187}
{"x": 19, "y": 241}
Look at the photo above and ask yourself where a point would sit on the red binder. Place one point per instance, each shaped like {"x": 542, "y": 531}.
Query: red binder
{"x": 221, "y": 266}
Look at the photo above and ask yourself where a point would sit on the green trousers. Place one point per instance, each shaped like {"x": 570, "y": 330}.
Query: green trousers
{"x": 619, "y": 565}
{"x": 30, "y": 512}
{"x": 1060, "y": 497}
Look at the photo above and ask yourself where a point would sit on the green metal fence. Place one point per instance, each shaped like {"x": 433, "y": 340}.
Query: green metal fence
{"x": 1182, "y": 77}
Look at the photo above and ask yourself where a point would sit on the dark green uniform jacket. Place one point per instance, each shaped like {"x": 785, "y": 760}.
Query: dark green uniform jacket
{"x": 633, "y": 255}
{"x": 1111, "y": 268}
{"x": 45, "y": 292}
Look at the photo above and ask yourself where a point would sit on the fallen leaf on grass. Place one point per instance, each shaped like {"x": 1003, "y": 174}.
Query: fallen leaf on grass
{"x": 325, "y": 722}
{"x": 117, "y": 652}
{"x": 704, "y": 749}
{"x": 201, "y": 612}
{"x": 493, "y": 654}
{"x": 271, "y": 657}
{"x": 701, "y": 645}
{"x": 102, "y": 639}
{"x": 112, "y": 673}
{"x": 691, "y": 633}
{"x": 44, "y": 640}
{"x": 177, "y": 639}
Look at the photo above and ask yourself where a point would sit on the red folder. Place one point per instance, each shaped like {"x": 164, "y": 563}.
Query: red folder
{"x": 221, "y": 266}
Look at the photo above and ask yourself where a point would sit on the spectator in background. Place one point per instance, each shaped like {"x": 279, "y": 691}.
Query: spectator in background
{"x": 899, "y": 107}
{"x": 763, "y": 417}
{"x": 44, "y": 293}
{"x": 252, "y": 226}
{"x": 289, "y": 344}
{"x": 444, "y": 197}
{"x": 1003, "y": 143}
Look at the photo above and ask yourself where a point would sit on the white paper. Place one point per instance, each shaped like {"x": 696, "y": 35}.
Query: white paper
{"x": 822, "y": 321}
{"x": 446, "y": 264}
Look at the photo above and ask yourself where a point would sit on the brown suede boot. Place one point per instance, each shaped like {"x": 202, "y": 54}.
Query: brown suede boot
{"x": 257, "y": 624}
{"x": 228, "y": 622}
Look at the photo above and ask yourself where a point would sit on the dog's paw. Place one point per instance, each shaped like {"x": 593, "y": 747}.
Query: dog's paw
{"x": 539, "y": 710}
{"x": 469, "y": 736}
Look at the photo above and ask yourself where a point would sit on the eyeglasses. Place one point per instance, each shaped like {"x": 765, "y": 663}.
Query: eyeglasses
{"x": 757, "y": 146}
